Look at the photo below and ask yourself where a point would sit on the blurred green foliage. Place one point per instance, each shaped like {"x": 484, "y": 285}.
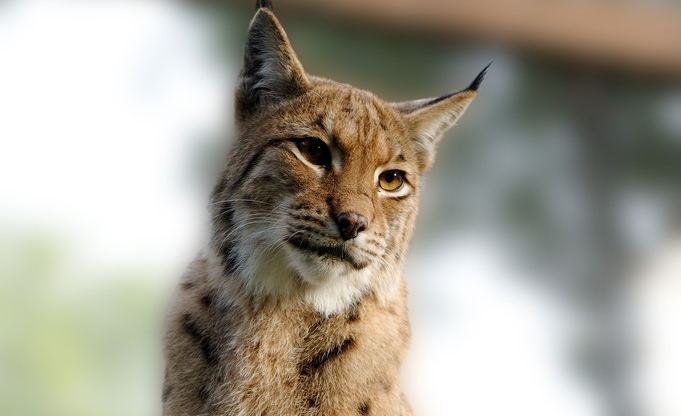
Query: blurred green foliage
{"x": 72, "y": 342}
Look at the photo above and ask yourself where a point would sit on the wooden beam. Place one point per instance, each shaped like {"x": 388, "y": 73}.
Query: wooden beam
{"x": 643, "y": 38}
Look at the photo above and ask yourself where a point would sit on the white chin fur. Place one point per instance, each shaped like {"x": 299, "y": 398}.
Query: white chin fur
{"x": 330, "y": 285}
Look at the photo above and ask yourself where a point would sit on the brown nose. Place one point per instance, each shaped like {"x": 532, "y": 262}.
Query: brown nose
{"x": 350, "y": 224}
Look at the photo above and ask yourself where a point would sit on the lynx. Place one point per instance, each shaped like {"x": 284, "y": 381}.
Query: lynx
{"x": 298, "y": 304}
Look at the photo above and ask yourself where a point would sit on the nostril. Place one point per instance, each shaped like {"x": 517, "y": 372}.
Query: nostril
{"x": 350, "y": 224}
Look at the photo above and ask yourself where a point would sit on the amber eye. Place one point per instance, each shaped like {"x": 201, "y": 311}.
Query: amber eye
{"x": 315, "y": 151}
{"x": 391, "y": 180}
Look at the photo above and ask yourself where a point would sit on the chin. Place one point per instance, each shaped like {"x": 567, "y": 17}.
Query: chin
{"x": 331, "y": 285}
{"x": 317, "y": 269}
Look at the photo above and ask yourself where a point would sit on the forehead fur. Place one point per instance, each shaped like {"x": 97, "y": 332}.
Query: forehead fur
{"x": 345, "y": 117}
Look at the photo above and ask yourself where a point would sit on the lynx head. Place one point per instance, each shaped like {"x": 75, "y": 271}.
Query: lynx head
{"x": 320, "y": 191}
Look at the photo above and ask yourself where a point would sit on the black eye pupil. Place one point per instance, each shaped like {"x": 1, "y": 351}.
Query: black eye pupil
{"x": 315, "y": 151}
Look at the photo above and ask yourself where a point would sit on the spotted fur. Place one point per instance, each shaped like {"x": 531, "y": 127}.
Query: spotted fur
{"x": 298, "y": 305}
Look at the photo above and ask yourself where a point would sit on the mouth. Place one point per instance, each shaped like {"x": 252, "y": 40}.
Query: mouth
{"x": 337, "y": 252}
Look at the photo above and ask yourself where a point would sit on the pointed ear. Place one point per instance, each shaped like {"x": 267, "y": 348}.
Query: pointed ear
{"x": 431, "y": 117}
{"x": 271, "y": 71}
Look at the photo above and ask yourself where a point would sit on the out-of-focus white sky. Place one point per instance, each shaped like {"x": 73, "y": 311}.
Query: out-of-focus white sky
{"x": 486, "y": 341}
{"x": 101, "y": 105}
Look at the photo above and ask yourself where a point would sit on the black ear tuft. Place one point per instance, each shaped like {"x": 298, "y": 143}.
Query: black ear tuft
{"x": 478, "y": 80}
{"x": 267, "y": 4}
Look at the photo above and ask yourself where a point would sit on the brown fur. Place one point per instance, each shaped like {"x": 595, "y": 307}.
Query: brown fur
{"x": 266, "y": 357}
{"x": 284, "y": 314}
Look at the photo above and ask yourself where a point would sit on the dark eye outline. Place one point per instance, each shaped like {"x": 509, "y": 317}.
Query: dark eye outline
{"x": 398, "y": 174}
{"x": 314, "y": 151}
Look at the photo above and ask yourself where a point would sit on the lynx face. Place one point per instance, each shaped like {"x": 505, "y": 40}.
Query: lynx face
{"x": 321, "y": 187}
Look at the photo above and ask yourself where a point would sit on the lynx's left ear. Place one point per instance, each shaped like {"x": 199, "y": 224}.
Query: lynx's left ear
{"x": 431, "y": 117}
{"x": 271, "y": 71}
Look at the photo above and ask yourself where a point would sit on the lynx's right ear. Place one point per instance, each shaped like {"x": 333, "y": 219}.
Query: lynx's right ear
{"x": 271, "y": 71}
{"x": 430, "y": 118}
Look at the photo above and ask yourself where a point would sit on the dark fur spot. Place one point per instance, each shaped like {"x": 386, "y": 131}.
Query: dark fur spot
{"x": 320, "y": 122}
{"x": 313, "y": 328}
{"x": 228, "y": 260}
{"x": 209, "y": 351}
{"x": 188, "y": 285}
{"x": 167, "y": 390}
{"x": 225, "y": 214}
{"x": 224, "y": 222}
{"x": 322, "y": 357}
{"x": 313, "y": 401}
{"x": 269, "y": 179}
{"x": 208, "y": 299}
{"x": 253, "y": 162}
{"x": 387, "y": 385}
{"x": 353, "y": 313}
{"x": 366, "y": 128}
{"x": 219, "y": 187}
{"x": 204, "y": 394}
{"x": 226, "y": 211}
{"x": 364, "y": 408}
{"x": 334, "y": 141}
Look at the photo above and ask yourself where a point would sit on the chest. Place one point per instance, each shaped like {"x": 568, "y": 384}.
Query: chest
{"x": 300, "y": 363}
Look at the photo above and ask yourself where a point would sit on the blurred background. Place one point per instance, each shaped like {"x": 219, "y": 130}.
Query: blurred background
{"x": 545, "y": 271}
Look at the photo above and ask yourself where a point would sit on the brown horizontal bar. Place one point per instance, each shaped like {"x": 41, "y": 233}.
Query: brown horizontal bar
{"x": 644, "y": 38}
